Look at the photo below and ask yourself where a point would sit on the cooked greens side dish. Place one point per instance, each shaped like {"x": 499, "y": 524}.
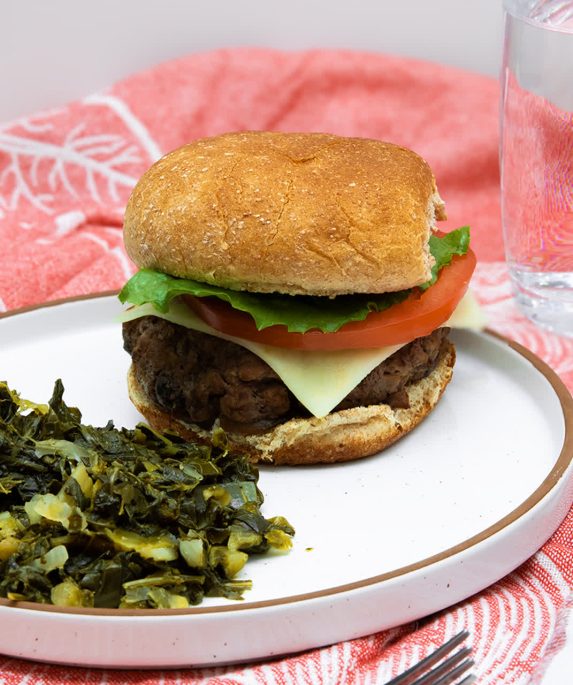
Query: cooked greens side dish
{"x": 107, "y": 517}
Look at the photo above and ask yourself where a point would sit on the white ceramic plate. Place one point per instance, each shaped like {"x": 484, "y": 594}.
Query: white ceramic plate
{"x": 445, "y": 512}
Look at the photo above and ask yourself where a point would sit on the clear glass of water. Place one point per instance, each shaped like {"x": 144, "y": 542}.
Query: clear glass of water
{"x": 536, "y": 154}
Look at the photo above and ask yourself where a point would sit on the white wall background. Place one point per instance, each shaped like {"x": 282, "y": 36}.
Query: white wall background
{"x": 52, "y": 51}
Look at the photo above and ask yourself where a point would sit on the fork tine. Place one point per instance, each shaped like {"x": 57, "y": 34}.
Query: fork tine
{"x": 410, "y": 677}
{"x": 451, "y": 677}
{"x": 468, "y": 680}
{"x": 447, "y": 672}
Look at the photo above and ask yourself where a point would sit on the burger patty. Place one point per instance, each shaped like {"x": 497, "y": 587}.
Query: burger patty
{"x": 199, "y": 378}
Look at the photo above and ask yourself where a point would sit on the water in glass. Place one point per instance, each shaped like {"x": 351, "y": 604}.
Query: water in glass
{"x": 537, "y": 158}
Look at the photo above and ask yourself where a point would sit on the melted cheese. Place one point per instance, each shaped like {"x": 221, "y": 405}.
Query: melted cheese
{"x": 468, "y": 314}
{"x": 318, "y": 379}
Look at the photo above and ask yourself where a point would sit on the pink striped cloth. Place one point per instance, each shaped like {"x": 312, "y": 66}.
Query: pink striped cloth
{"x": 65, "y": 176}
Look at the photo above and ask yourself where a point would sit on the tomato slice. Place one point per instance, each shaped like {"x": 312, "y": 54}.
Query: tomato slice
{"x": 416, "y": 316}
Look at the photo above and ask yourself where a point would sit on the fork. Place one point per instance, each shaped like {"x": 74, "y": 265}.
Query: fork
{"x": 426, "y": 672}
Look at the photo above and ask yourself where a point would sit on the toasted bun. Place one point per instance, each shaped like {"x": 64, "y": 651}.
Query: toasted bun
{"x": 341, "y": 436}
{"x": 295, "y": 213}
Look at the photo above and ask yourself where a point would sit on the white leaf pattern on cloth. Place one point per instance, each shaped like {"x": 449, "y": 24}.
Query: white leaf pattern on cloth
{"x": 99, "y": 157}
{"x": 65, "y": 176}
{"x": 133, "y": 123}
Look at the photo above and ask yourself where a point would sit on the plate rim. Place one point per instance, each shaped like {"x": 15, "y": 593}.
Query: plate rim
{"x": 562, "y": 463}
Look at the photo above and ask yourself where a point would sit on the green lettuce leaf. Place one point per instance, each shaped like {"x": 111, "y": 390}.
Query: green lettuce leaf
{"x": 444, "y": 248}
{"x": 299, "y": 313}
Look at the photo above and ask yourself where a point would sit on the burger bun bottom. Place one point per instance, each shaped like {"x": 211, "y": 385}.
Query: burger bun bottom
{"x": 340, "y": 436}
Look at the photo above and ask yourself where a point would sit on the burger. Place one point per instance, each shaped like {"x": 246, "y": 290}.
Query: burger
{"x": 292, "y": 290}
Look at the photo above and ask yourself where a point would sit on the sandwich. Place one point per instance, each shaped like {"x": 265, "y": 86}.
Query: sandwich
{"x": 292, "y": 290}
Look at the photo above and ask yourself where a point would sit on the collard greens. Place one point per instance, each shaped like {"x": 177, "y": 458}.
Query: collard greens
{"x": 107, "y": 517}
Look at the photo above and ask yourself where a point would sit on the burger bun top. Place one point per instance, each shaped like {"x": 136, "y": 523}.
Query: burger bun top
{"x": 294, "y": 213}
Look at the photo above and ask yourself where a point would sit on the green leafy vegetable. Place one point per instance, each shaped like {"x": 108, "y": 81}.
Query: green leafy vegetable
{"x": 110, "y": 517}
{"x": 444, "y": 248}
{"x": 299, "y": 313}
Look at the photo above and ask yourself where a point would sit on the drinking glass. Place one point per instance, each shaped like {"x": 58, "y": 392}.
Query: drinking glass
{"x": 536, "y": 155}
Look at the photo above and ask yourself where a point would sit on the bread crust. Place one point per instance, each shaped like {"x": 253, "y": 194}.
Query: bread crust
{"x": 340, "y": 436}
{"x": 295, "y": 213}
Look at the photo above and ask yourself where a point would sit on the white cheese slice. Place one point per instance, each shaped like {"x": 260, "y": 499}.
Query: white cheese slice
{"x": 468, "y": 314}
{"x": 318, "y": 379}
